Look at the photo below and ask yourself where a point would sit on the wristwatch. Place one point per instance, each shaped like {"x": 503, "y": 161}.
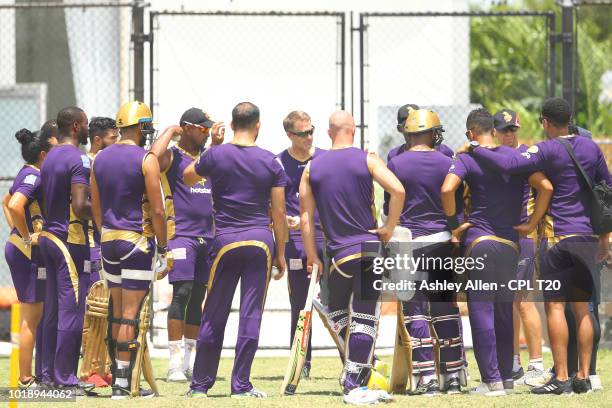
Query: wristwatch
{"x": 473, "y": 144}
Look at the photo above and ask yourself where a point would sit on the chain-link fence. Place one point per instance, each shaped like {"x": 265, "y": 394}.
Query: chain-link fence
{"x": 56, "y": 55}
{"x": 593, "y": 68}
{"x": 279, "y": 61}
{"x": 452, "y": 63}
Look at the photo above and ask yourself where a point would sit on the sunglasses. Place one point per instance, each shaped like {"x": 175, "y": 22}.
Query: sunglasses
{"x": 202, "y": 128}
{"x": 541, "y": 119}
{"x": 304, "y": 133}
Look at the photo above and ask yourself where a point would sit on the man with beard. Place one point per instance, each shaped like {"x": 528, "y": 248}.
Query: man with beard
{"x": 190, "y": 229}
{"x": 64, "y": 249}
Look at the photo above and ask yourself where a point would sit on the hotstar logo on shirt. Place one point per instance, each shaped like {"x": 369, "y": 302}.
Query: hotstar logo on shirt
{"x": 199, "y": 190}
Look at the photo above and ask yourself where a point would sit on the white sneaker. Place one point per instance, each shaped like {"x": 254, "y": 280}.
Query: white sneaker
{"x": 539, "y": 380}
{"x": 365, "y": 396}
{"x": 596, "y": 384}
{"x": 252, "y": 393}
{"x": 533, "y": 376}
{"x": 176, "y": 375}
{"x": 489, "y": 390}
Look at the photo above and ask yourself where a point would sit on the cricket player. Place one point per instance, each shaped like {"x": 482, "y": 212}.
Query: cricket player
{"x": 570, "y": 248}
{"x": 422, "y": 170}
{"x": 507, "y": 127}
{"x": 128, "y": 210}
{"x": 64, "y": 248}
{"x": 339, "y": 185}
{"x": 103, "y": 132}
{"x": 491, "y": 236}
{"x": 190, "y": 231}
{"x": 294, "y": 159}
{"x": 22, "y": 209}
{"x": 248, "y": 184}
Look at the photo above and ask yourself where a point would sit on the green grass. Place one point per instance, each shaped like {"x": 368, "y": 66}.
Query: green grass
{"x": 322, "y": 389}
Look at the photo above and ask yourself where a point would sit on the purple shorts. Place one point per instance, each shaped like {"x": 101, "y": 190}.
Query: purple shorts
{"x": 191, "y": 259}
{"x": 28, "y": 274}
{"x": 527, "y": 259}
{"x": 128, "y": 264}
{"x": 568, "y": 268}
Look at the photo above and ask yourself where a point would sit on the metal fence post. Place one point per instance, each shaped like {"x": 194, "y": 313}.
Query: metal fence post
{"x": 567, "y": 38}
{"x": 138, "y": 38}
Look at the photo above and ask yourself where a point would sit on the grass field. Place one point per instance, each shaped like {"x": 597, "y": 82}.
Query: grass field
{"x": 322, "y": 389}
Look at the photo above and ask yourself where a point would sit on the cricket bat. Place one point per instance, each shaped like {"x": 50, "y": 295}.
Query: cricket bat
{"x": 299, "y": 347}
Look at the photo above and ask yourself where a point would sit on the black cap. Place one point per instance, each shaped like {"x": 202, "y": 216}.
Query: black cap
{"x": 197, "y": 116}
{"x": 403, "y": 111}
{"x": 506, "y": 118}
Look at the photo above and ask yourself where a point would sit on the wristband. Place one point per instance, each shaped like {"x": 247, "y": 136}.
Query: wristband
{"x": 162, "y": 249}
{"x": 452, "y": 221}
{"x": 27, "y": 242}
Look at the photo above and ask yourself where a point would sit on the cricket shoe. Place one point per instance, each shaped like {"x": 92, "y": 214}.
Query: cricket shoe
{"x": 31, "y": 384}
{"x": 533, "y": 376}
{"x": 196, "y": 394}
{"x": 429, "y": 389}
{"x": 366, "y": 396}
{"x": 252, "y": 393}
{"x": 495, "y": 389}
{"x": 305, "y": 374}
{"x": 539, "y": 380}
{"x": 452, "y": 386}
{"x": 120, "y": 393}
{"x": 518, "y": 374}
{"x": 554, "y": 387}
{"x": 508, "y": 386}
{"x": 581, "y": 385}
{"x": 188, "y": 373}
{"x": 176, "y": 375}
{"x": 596, "y": 384}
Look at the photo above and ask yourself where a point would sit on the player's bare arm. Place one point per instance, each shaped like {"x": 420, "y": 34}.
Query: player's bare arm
{"x": 17, "y": 213}
{"x": 277, "y": 210}
{"x": 190, "y": 177}
{"x": 449, "y": 187}
{"x": 544, "y": 189}
{"x": 96, "y": 208}
{"x": 307, "y": 210}
{"x": 7, "y": 215}
{"x": 160, "y": 147}
{"x": 387, "y": 180}
{"x": 158, "y": 214}
{"x": 80, "y": 201}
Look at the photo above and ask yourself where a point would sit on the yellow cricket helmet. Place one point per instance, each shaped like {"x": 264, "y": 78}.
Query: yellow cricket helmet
{"x": 133, "y": 113}
{"x": 421, "y": 120}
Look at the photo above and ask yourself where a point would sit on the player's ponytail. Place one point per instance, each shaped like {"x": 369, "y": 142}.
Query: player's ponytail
{"x": 32, "y": 144}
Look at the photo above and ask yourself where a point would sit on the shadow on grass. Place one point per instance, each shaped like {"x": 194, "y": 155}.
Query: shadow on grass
{"x": 322, "y": 392}
{"x": 163, "y": 379}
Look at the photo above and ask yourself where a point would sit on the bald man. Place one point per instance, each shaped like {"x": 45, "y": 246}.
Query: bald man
{"x": 339, "y": 185}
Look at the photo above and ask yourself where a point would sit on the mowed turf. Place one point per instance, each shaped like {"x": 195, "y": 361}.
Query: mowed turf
{"x": 322, "y": 389}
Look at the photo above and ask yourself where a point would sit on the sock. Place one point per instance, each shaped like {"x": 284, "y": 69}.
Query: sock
{"x": 537, "y": 363}
{"x": 425, "y": 378}
{"x": 516, "y": 363}
{"x": 190, "y": 345}
{"x": 174, "y": 347}
{"x": 122, "y": 382}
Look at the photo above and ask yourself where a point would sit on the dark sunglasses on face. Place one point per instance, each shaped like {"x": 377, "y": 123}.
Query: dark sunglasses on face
{"x": 305, "y": 132}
